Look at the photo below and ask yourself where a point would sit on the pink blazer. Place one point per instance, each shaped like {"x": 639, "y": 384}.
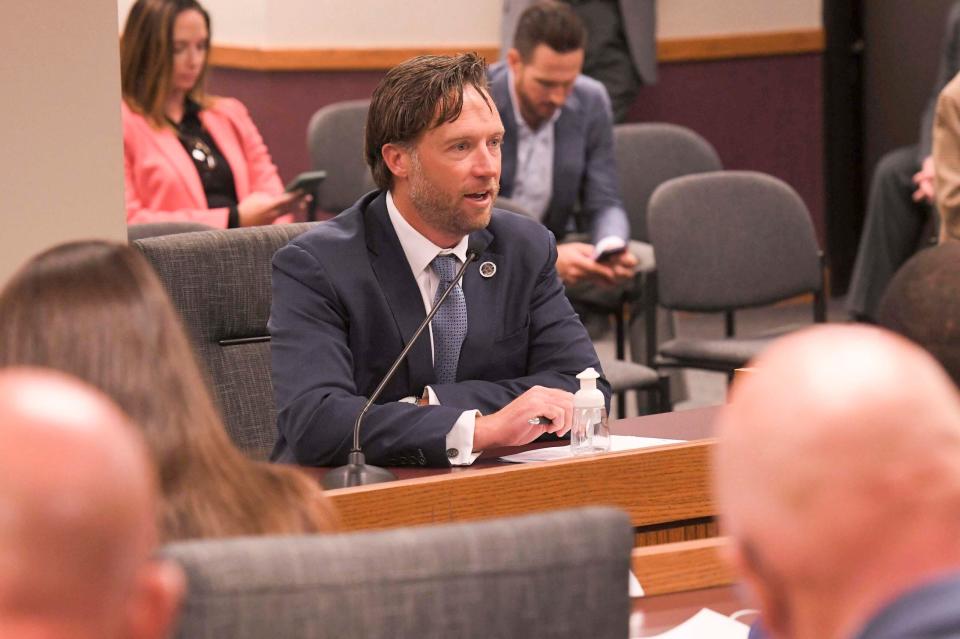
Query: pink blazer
{"x": 162, "y": 183}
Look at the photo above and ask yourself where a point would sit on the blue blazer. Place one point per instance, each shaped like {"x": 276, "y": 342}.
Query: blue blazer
{"x": 584, "y": 170}
{"x": 344, "y": 304}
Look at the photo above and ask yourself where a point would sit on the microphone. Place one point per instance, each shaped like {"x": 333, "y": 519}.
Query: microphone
{"x": 357, "y": 472}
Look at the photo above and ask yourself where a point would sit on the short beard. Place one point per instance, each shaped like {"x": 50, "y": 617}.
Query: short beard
{"x": 441, "y": 210}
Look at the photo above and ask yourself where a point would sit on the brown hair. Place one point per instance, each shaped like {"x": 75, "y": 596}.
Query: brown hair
{"x": 551, "y": 23}
{"x": 146, "y": 56}
{"x": 922, "y": 303}
{"x": 417, "y": 95}
{"x": 96, "y": 310}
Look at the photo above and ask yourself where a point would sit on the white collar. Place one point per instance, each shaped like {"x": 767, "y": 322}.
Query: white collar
{"x": 517, "y": 116}
{"x": 419, "y": 250}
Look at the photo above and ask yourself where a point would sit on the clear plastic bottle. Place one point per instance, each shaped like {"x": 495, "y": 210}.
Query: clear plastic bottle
{"x": 590, "y": 432}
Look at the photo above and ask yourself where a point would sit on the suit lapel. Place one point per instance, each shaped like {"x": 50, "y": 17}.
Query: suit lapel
{"x": 170, "y": 146}
{"x": 400, "y": 288}
{"x": 481, "y": 296}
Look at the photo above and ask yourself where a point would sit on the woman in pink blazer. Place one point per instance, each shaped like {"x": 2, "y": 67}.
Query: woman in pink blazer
{"x": 189, "y": 156}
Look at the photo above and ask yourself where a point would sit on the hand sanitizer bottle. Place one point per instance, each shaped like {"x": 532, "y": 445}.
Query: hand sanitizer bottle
{"x": 590, "y": 432}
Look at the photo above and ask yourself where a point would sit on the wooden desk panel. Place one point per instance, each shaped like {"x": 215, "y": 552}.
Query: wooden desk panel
{"x": 678, "y": 567}
{"x": 663, "y": 485}
{"x": 654, "y": 486}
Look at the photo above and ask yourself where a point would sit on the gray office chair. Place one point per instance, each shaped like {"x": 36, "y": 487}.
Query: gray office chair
{"x": 153, "y": 229}
{"x": 725, "y": 241}
{"x": 647, "y": 155}
{"x": 220, "y": 284}
{"x": 650, "y": 153}
{"x": 335, "y": 143}
{"x": 624, "y": 376}
{"x": 550, "y": 575}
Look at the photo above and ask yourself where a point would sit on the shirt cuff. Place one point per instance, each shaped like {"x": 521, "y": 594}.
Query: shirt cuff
{"x": 609, "y": 243}
{"x": 460, "y": 438}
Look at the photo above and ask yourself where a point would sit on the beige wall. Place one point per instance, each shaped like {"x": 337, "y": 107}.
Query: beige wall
{"x": 365, "y": 23}
{"x": 690, "y": 18}
{"x": 61, "y": 170}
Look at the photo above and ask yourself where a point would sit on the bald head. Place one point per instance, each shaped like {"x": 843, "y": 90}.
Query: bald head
{"x": 839, "y": 452}
{"x": 77, "y": 509}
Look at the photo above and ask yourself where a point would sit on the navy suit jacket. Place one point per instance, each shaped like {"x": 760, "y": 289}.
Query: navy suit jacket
{"x": 929, "y": 611}
{"x": 584, "y": 170}
{"x": 344, "y": 305}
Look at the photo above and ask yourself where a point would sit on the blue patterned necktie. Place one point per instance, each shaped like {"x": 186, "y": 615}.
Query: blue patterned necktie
{"x": 450, "y": 323}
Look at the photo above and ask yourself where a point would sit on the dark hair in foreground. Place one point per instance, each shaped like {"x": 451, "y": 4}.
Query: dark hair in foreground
{"x": 415, "y": 96}
{"x": 96, "y": 310}
{"x": 146, "y": 56}
{"x": 922, "y": 303}
{"x": 551, "y": 23}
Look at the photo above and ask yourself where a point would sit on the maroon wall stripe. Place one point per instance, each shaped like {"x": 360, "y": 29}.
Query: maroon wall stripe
{"x": 762, "y": 114}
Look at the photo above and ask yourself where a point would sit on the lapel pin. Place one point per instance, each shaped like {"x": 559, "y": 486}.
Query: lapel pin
{"x": 488, "y": 269}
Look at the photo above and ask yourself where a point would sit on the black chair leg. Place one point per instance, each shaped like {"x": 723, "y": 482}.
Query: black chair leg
{"x": 621, "y": 404}
{"x": 663, "y": 394}
{"x": 621, "y": 335}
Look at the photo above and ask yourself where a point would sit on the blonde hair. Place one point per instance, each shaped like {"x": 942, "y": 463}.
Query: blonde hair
{"x": 96, "y": 310}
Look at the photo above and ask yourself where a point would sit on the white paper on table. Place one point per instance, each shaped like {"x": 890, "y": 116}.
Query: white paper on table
{"x": 707, "y": 623}
{"x": 617, "y": 443}
{"x": 635, "y": 589}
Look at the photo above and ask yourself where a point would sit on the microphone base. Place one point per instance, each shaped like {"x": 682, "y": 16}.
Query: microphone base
{"x": 356, "y": 473}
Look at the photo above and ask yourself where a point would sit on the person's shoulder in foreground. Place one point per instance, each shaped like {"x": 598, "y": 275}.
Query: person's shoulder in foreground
{"x": 349, "y": 295}
{"x": 837, "y": 476}
{"x": 922, "y": 303}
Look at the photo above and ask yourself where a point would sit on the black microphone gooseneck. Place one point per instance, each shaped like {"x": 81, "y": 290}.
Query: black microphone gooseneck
{"x": 357, "y": 472}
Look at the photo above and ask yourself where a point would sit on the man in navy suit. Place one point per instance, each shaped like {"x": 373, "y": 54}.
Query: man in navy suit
{"x": 558, "y": 158}
{"x": 348, "y": 295}
{"x": 837, "y": 477}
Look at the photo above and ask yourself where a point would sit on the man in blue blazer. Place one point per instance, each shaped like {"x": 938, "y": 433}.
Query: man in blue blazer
{"x": 558, "y": 149}
{"x": 505, "y": 347}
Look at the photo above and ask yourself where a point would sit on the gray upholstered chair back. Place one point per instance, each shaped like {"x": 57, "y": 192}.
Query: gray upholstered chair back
{"x": 220, "y": 285}
{"x": 551, "y": 575}
{"x": 731, "y": 239}
{"x": 648, "y": 154}
{"x": 153, "y": 229}
{"x": 335, "y": 143}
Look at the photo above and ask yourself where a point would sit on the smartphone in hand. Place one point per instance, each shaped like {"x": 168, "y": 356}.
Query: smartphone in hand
{"x": 607, "y": 256}
{"x": 306, "y": 182}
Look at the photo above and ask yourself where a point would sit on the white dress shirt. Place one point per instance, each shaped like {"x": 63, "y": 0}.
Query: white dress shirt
{"x": 420, "y": 252}
{"x": 533, "y": 185}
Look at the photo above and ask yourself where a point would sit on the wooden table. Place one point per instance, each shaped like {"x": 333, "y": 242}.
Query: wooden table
{"x": 664, "y": 489}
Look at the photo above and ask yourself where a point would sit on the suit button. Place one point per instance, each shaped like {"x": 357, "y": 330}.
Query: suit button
{"x": 452, "y": 453}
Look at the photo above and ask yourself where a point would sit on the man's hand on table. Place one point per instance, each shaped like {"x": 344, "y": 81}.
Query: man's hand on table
{"x": 510, "y": 426}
